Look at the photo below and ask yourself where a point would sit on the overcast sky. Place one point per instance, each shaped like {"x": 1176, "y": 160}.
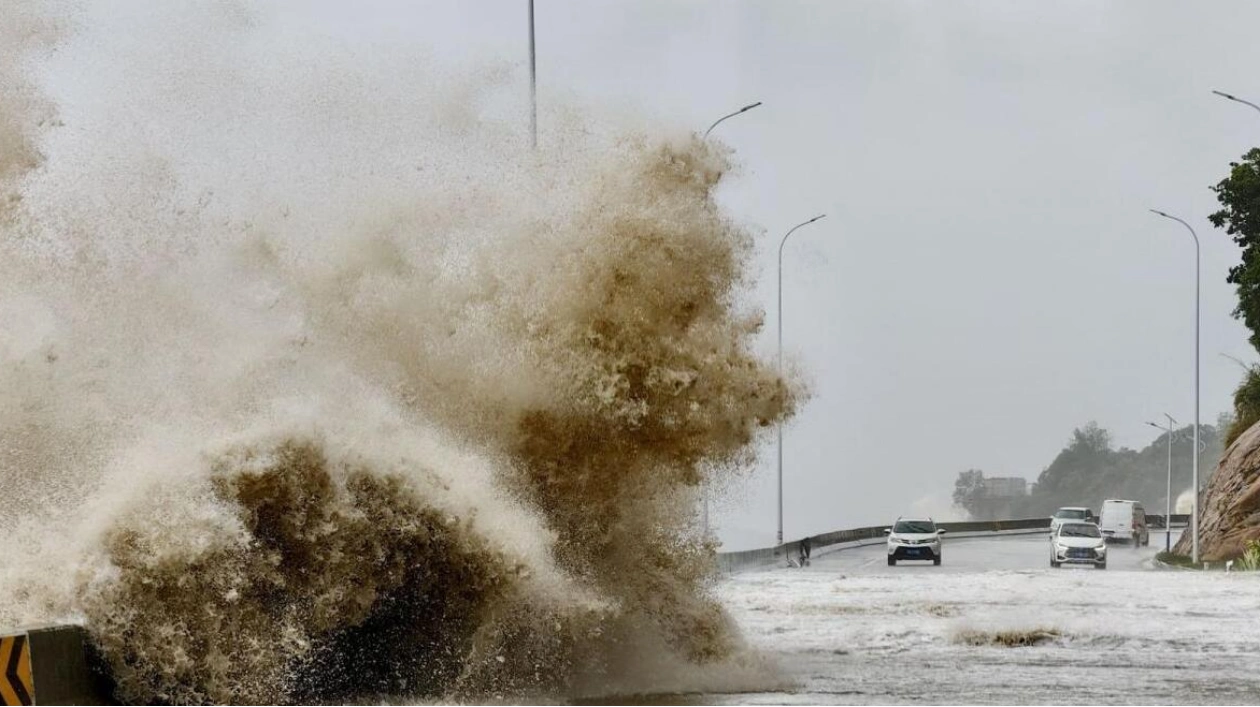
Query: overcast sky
{"x": 988, "y": 276}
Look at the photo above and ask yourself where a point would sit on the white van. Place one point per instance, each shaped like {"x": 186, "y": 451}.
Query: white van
{"x": 1124, "y": 520}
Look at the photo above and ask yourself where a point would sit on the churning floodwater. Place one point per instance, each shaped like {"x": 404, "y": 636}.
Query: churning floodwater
{"x": 317, "y": 384}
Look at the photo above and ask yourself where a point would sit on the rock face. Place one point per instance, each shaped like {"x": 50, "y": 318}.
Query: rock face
{"x": 1231, "y": 503}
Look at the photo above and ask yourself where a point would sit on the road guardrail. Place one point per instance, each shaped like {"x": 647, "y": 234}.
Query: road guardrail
{"x": 821, "y": 544}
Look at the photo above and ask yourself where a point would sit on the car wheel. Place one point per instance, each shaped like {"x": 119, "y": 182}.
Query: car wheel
{"x": 891, "y": 561}
{"x": 1100, "y": 566}
{"x": 936, "y": 560}
{"x": 1053, "y": 563}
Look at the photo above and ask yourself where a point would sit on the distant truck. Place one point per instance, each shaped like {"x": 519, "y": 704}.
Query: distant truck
{"x": 1124, "y": 521}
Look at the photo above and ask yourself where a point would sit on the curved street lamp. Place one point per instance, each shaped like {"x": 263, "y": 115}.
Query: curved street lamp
{"x": 779, "y": 536}
{"x": 1194, "y": 515}
{"x": 745, "y": 109}
{"x": 1236, "y": 99}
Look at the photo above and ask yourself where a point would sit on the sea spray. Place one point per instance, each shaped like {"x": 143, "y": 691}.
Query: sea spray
{"x": 332, "y": 391}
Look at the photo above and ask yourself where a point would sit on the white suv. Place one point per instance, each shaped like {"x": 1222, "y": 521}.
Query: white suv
{"x": 914, "y": 540}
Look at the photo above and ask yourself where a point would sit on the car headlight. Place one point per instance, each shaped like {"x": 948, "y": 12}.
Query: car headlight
{"x": 1060, "y": 548}
{"x": 1101, "y": 548}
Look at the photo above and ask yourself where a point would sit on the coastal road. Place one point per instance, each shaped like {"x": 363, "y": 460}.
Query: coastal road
{"x": 852, "y": 630}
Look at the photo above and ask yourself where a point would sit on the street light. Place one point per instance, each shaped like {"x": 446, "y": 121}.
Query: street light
{"x": 1236, "y": 99}
{"x": 1194, "y": 514}
{"x": 779, "y": 536}
{"x": 1168, "y": 497}
{"x": 1235, "y": 359}
{"x": 745, "y": 109}
{"x": 533, "y": 84}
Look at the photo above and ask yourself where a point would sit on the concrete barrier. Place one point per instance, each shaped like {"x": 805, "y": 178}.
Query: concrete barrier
{"x": 51, "y": 666}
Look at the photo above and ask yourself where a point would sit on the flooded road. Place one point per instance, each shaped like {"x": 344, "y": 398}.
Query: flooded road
{"x": 996, "y": 625}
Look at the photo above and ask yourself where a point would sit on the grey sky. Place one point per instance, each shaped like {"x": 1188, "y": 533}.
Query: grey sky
{"x": 988, "y": 276}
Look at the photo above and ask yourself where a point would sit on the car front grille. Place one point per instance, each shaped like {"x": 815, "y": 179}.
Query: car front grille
{"x": 1080, "y": 552}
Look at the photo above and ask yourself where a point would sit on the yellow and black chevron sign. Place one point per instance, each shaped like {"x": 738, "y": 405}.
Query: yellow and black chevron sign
{"x": 15, "y": 671}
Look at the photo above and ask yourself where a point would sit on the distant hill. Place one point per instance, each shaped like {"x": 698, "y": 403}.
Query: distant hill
{"x": 1088, "y": 470}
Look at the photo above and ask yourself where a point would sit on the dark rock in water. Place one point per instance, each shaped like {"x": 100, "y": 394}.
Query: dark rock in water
{"x": 1230, "y": 506}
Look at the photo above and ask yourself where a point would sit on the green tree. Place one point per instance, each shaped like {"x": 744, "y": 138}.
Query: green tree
{"x": 1239, "y": 194}
{"x": 1246, "y": 405}
{"x": 969, "y": 492}
{"x": 1088, "y": 470}
{"x": 1076, "y": 472}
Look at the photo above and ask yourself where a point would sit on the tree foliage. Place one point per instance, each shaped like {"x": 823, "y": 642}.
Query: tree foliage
{"x": 1239, "y": 194}
{"x": 969, "y": 491}
{"x": 1246, "y": 405}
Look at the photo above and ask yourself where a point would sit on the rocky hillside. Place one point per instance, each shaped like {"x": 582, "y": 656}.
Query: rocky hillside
{"x": 1231, "y": 502}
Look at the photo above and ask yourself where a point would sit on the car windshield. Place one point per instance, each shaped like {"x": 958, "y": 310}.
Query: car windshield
{"x": 1079, "y": 530}
{"x": 914, "y": 526}
{"x": 1072, "y": 513}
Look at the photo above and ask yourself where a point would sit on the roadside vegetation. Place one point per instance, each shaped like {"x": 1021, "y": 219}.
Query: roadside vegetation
{"x": 1239, "y": 196}
{"x": 1175, "y": 560}
{"x": 1246, "y": 404}
{"x": 1248, "y": 561}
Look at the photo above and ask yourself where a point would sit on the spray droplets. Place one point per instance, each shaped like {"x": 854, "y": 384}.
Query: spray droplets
{"x": 351, "y": 428}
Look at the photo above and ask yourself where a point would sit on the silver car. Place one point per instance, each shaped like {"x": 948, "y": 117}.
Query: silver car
{"x": 1068, "y": 514}
{"x": 1076, "y": 543}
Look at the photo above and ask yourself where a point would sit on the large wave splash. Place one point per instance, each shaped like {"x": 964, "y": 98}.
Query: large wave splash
{"x": 339, "y": 392}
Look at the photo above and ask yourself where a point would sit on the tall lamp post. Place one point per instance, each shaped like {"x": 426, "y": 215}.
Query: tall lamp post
{"x": 1168, "y": 495}
{"x": 533, "y": 84}
{"x": 1236, "y": 99}
{"x": 745, "y": 109}
{"x": 1194, "y": 514}
{"x": 779, "y": 535}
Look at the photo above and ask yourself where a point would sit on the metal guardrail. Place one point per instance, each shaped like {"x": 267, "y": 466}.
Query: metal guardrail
{"x": 1157, "y": 521}
{"x": 731, "y": 561}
